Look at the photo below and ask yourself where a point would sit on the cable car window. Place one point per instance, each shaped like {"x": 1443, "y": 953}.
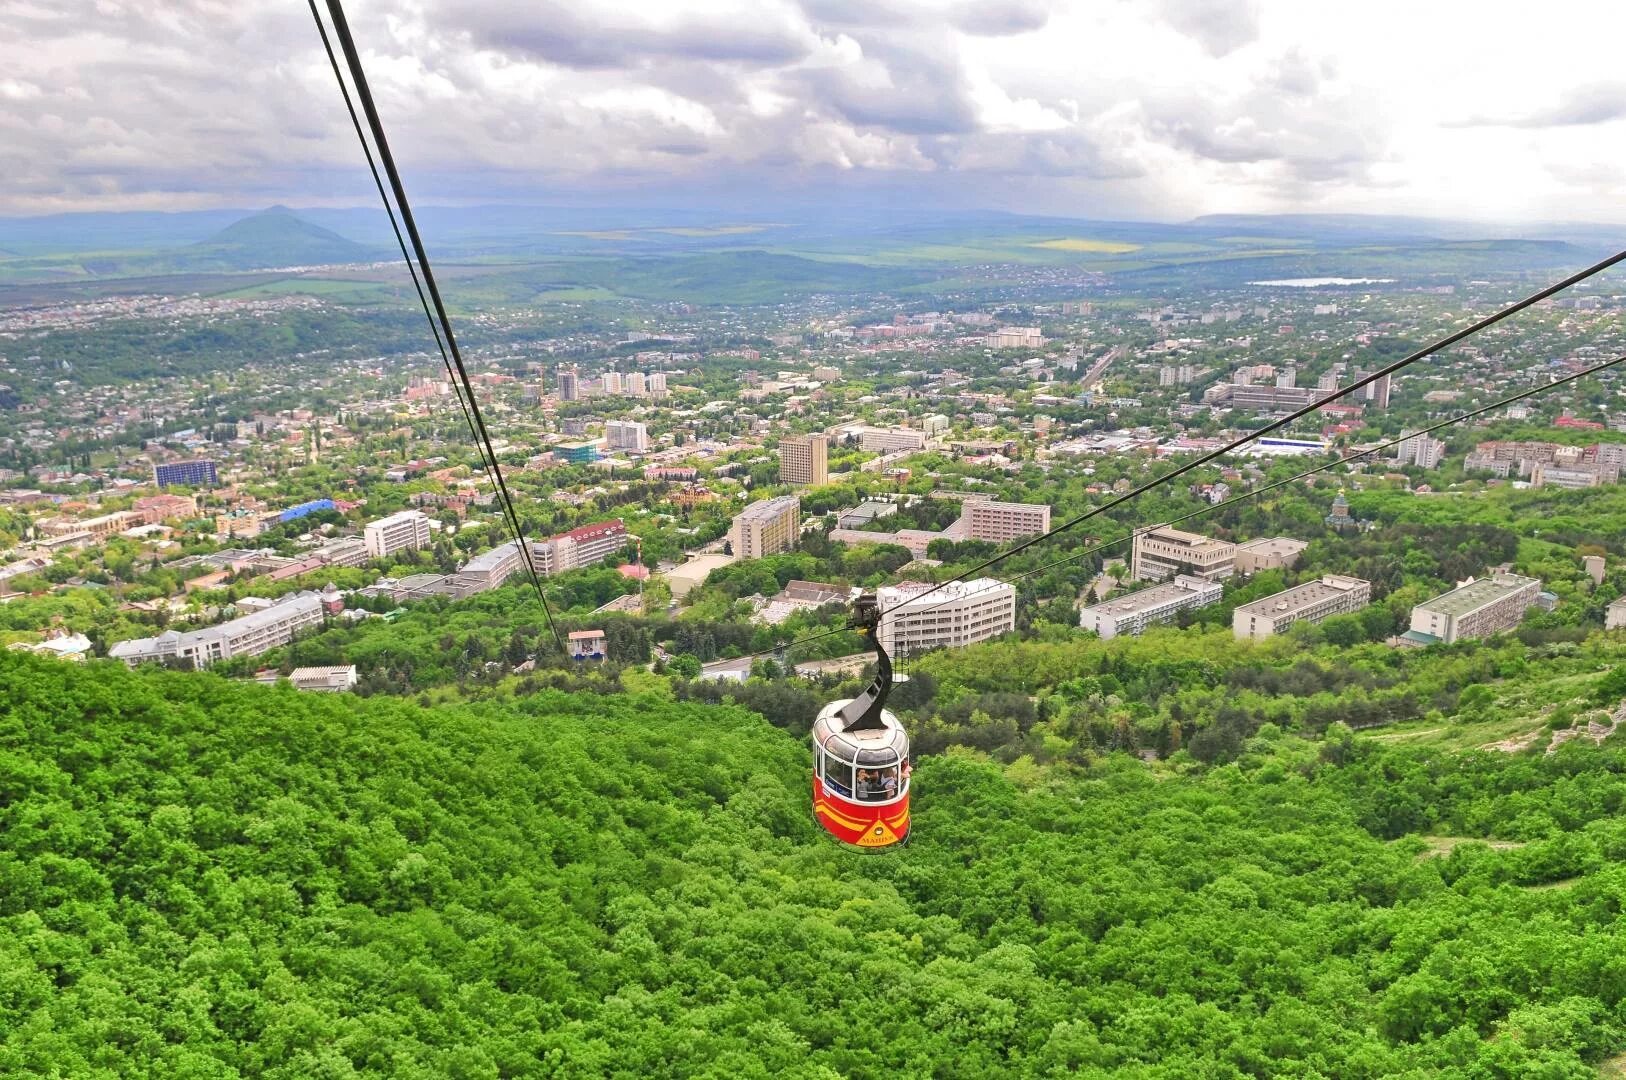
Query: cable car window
{"x": 838, "y": 775}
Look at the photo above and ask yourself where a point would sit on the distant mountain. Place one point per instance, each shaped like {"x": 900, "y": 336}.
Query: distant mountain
{"x": 273, "y": 237}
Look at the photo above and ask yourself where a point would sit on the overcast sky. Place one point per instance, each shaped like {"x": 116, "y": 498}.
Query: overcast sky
{"x": 1155, "y": 109}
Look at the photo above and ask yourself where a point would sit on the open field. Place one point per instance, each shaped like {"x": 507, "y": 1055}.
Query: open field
{"x": 1101, "y": 247}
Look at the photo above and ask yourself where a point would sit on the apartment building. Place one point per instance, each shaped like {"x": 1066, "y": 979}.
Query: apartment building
{"x": 657, "y": 384}
{"x": 570, "y": 386}
{"x": 804, "y": 460}
{"x": 1135, "y": 612}
{"x": 1015, "y": 337}
{"x": 1421, "y": 450}
{"x": 626, "y": 435}
{"x": 997, "y": 522}
{"x": 1161, "y": 553}
{"x": 961, "y": 613}
{"x": 406, "y": 531}
{"x": 198, "y": 473}
{"x": 888, "y": 440}
{"x": 588, "y": 545}
{"x": 158, "y": 508}
{"x": 1332, "y": 594}
{"x": 1476, "y": 609}
{"x": 490, "y": 569}
{"x": 767, "y": 528}
{"x": 99, "y": 528}
{"x": 1575, "y": 476}
{"x": 247, "y": 635}
{"x": 1268, "y": 553}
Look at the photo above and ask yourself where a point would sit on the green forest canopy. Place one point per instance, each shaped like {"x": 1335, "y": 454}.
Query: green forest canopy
{"x": 206, "y": 879}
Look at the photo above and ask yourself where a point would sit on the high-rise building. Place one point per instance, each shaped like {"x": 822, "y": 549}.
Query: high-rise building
{"x": 406, "y": 531}
{"x": 960, "y": 613}
{"x": 804, "y": 460}
{"x": 198, "y": 473}
{"x": 1161, "y": 553}
{"x": 632, "y": 384}
{"x": 767, "y": 528}
{"x": 1311, "y": 602}
{"x": 1477, "y": 609}
{"x": 1421, "y": 450}
{"x": 657, "y": 384}
{"x": 611, "y": 382}
{"x": 997, "y": 522}
{"x": 569, "y": 385}
{"x": 626, "y": 435}
{"x": 1135, "y": 612}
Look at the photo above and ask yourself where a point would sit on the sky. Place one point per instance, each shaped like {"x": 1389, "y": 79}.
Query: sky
{"x": 1129, "y": 109}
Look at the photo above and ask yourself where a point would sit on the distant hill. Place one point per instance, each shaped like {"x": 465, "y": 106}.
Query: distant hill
{"x": 273, "y": 237}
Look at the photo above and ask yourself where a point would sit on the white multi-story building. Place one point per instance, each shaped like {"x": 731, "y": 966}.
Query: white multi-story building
{"x": 610, "y": 382}
{"x": 887, "y": 440}
{"x": 960, "y": 613}
{"x": 1614, "y": 616}
{"x": 1135, "y": 612}
{"x": 1476, "y": 609}
{"x": 406, "y": 531}
{"x": 490, "y": 569}
{"x": 1161, "y": 553}
{"x": 632, "y": 384}
{"x": 767, "y": 528}
{"x": 657, "y": 384}
{"x": 935, "y": 424}
{"x": 997, "y": 522}
{"x": 1421, "y": 450}
{"x": 626, "y": 435}
{"x": 248, "y": 635}
{"x": 1311, "y": 602}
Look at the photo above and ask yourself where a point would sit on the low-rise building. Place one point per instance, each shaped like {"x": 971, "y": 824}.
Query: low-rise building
{"x": 1332, "y": 594}
{"x": 888, "y": 440}
{"x": 1614, "y": 616}
{"x": 247, "y": 635}
{"x": 1135, "y": 612}
{"x": 1475, "y": 609}
{"x": 1268, "y": 553}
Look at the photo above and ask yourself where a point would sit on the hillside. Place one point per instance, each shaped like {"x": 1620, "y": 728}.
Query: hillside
{"x": 210, "y": 879}
{"x": 273, "y": 237}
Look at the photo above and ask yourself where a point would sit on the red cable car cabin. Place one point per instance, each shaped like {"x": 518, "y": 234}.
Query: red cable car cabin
{"x": 861, "y": 759}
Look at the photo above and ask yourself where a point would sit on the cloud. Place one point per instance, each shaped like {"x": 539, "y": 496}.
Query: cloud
{"x": 1219, "y": 26}
{"x": 1581, "y": 106}
{"x": 608, "y": 35}
{"x": 1171, "y": 107}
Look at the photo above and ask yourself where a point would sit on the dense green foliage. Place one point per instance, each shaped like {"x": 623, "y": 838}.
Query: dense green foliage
{"x": 202, "y": 879}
